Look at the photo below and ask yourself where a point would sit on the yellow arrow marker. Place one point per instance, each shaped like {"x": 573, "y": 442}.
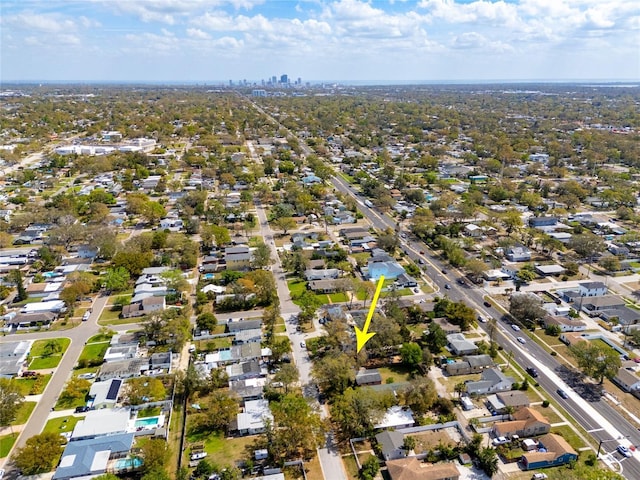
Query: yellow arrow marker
{"x": 363, "y": 336}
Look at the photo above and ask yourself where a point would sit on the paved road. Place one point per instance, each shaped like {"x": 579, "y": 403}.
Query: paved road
{"x": 78, "y": 336}
{"x": 601, "y": 420}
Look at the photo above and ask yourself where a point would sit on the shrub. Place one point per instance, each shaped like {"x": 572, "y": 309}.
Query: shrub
{"x": 545, "y": 403}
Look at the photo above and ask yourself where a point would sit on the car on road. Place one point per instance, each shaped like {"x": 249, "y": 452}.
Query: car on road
{"x": 421, "y": 252}
{"x": 444, "y": 272}
{"x": 500, "y": 440}
{"x": 624, "y": 451}
{"x": 82, "y": 409}
{"x": 421, "y": 261}
{"x": 532, "y": 371}
{"x": 447, "y": 286}
{"x": 481, "y": 319}
{"x": 521, "y": 340}
{"x": 487, "y": 304}
{"x": 562, "y": 393}
{"x": 515, "y": 327}
{"x": 303, "y": 345}
{"x": 461, "y": 281}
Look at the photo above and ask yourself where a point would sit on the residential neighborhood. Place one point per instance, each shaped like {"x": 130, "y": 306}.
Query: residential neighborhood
{"x": 184, "y": 283}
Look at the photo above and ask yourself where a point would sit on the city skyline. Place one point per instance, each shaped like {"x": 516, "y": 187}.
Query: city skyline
{"x": 396, "y": 41}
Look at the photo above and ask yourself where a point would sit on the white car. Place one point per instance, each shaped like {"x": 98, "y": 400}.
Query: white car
{"x": 515, "y": 327}
{"x": 500, "y": 440}
{"x": 521, "y": 340}
{"x": 87, "y": 376}
{"x": 303, "y": 345}
{"x": 624, "y": 451}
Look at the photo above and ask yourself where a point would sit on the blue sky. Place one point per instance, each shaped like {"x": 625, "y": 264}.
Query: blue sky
{"x": 357, "y": 40}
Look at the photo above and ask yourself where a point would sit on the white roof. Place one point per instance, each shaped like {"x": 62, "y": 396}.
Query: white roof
{"x": 254, "y": 415}
{"x": 52, "y": 306}
{"x": 396, "y": 416}
{"x": 102, "y": 422}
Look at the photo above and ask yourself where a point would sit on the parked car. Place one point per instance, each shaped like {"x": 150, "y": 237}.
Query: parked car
{"x": 532, "y": 371}
{"x": 198, "y": 456}
{"x": 521, "y": 340}
{"x": 87, "y": 376}
{"x": 624, "y": 451}
{"x": 303, "y": 345}
{"x": 539, "y": 476}
{"x": 82, "y": 409}
{"x": 29, "y": 373}
{"x": 562, "y": 393}
{"x": 500, "y": 440}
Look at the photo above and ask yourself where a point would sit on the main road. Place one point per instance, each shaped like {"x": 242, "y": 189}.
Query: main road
{"x": 598, "y": 418}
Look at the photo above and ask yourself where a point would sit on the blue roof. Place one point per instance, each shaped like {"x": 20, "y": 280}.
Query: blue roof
{"x": 390, "y": 270}
{"x": 89, "y": 457}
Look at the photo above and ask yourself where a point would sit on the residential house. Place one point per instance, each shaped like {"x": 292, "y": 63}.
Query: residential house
{"x": 391, "y": 270}
{"x": 627, "y": 379}
{"x": 593, "y": 306}
{"x": 248, "y": 389}
{"x": 469, "y": 364}
{"x": 492, "y": 380}
{"x": 625, "y": 316}
{"x": 121, "y": 352}
{"x": 459, "y": 345}
{"x": 132, "y": 367}
{"x": 501, "y": 402}
{"x": 87, "y": 251}
{"x": 13, "y": 356}
{"x": 252, "y": 420}
{"x": 473, "y": 230}
{"x": 322, "y": 286}
{"x": 525, "y": 422}
{"x": 391, "y": 444}
{"x": 321, "y": 274}
{"x": 411, "y": 468}
{"x": 518, "y": 254}
{"x": 237, "y": 258}
{"x": 618, "y": 250}
{"x": 566, "y": 324}
{"x": 44, "y": 289}
{"x": 547, "y": 270}
{"x": 396, "y": 417}
{"x": 405, "y": 280}
{"x": 234, "y": 327}
{"x": 144, "y": 307}
{"x": 87, "y": 458}
{"x": 368, "y": 377}
{"x": 592, "y": 289}
{"x": 24, "y": 321}
{"x": 553, "y": 450}
{"x": 105, "y": 394}
{"x": 160, "y": 361}
{"x": 244, "y": 370}
{"x": 537, "y": 222}
{"x": 445, "y": 325}
{"x": 102, "y": 423}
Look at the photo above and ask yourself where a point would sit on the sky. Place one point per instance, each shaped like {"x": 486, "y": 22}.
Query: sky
{"x": 208, "y": 41}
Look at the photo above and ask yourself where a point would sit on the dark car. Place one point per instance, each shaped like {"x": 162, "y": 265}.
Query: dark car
{"x": 444, "y": 272}
{"x": 82, "y": 409}
{"x": 447, "y": 286}
{"x": 532, "y": 371}
{"x": 562, "y": 393}
{"x": 487, "y": 304}
{"x": 461, "y": 281}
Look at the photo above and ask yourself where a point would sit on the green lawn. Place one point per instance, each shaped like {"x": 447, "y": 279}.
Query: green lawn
{"x": 221, "y": 450}
{"x": 24, "y": 413}
{"x": 338, "y": 297}
{"x": 33, "y": 385}
{"x": 214, "y": 344}
{"x": 94, "y": 351}
{"x": 296, "y": 287}
{"x": 149, "y": 412}
{"x": 61, "y": 424}
{"x": 42, "y": 363}
{"x": 101, "y": 337}
{"x": 39, "y": 347}
{"x": 6, "y": 442}
{"x": 399, "y": 373}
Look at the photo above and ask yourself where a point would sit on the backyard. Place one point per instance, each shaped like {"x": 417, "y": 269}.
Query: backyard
{"x": 61, "y": 424}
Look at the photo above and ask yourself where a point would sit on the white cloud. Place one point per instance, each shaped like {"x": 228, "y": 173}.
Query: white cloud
{"x": 197, "y": 33}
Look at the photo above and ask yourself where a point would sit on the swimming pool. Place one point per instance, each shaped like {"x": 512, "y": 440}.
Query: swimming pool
{"x": 209, "y": 276}
{"x": 51, "y": 274}
{"x": 125, "y": 463}
{"x": 149, "y": 422}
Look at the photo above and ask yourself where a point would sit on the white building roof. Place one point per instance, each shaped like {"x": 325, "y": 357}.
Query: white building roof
{"x": 396, "y": 416}
{"x": 102, "y": 422}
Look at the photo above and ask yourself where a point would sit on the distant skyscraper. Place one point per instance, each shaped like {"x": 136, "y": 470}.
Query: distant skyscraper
{"x": 284, "y": 78}
{"x": 274, "y": 80}
{"x": 299, "y": 81}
